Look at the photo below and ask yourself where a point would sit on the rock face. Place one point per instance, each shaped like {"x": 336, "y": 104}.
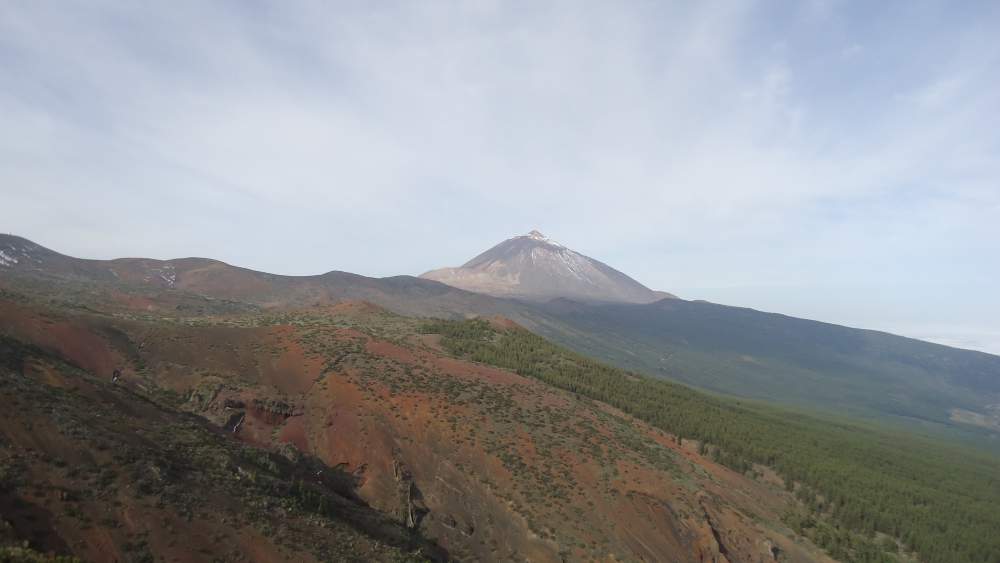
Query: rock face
{"x": 535, "y": 268}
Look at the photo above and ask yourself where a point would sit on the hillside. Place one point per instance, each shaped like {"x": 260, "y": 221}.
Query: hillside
{"x": 776, "y": 358}
{"x": 731, "y": 350}
{"x": 739, "y": 351}
{"x": 190, "y": 283}
{"x": 466, "y": 440}
{"x": 107, "y": 472}
{"x": 857, "y": 481}
{"x": 421, "y": 454}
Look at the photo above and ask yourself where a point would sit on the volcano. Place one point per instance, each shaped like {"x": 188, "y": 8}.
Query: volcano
{"x": 534, "y": 267}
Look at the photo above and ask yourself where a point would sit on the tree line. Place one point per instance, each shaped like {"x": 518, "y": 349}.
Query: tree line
{"x": 940, "y": 500}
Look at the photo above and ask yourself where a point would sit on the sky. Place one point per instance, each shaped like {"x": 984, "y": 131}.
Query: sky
{"x": 827, "y": 159}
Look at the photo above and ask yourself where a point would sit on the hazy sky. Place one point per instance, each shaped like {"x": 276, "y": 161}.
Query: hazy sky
{"x": 833, "y": 160}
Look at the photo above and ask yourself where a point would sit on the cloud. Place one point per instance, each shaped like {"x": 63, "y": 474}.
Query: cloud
{"x": 685, "y": 143}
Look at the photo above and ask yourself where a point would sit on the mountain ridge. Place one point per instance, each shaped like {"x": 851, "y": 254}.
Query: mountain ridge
{"x": 733, "y": 350}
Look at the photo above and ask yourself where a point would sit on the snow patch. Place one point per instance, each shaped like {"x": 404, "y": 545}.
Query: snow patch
{"x": 7, "y": 260}
{"x": 563, "y": 261}
{"x": 536, "y": 235}
{"x": 166, "y": 273}
{"x": 577, "y": 265}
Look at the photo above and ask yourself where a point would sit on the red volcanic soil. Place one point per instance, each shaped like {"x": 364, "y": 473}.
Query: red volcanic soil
{"x": 406, "y": 414}
{"x": 80, "y": 343}
{"x": 489, "y": 464}
{"x": 100, "y": 478}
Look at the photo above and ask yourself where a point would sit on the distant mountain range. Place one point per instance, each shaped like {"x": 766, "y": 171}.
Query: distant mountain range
{"x": 731, "y": 350}
{"x": 536, "y": 268}
{"x": 215, "y": 411}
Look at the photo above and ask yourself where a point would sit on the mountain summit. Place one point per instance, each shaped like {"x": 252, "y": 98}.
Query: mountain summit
{"x": 536, "y": 268}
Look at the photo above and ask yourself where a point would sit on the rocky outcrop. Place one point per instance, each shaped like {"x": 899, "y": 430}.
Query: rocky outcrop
{"x": 235, "y": 421}
{"x": 413, "y": 507}
{"x": 272, "y": 411}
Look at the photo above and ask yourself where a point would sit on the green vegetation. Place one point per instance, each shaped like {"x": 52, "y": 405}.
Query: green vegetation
{"x": 941, "y": 501}
{"x": 861, "y": 487}
{"x": 483, "y": 417}
{"x": 27, "y": 555}
{"x": 799, "y": 362}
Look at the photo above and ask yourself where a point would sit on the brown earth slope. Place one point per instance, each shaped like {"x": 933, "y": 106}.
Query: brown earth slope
{"x": 94, "y": 469}
{"x": 402, "y": 441}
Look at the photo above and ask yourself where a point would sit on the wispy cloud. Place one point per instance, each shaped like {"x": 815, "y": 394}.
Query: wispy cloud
{"x": 697, "y": 145}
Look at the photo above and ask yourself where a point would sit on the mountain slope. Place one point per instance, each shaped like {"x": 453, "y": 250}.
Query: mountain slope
{"x": 724, "y": 349}
{"x": 536, "y": 268}
{"x": 938, "y": 498}
{"x": 773, "y": 357}
{"x": 105, "y": 472}
{"x": 739, "y": 351}
{"x": 563, "y": 458}
{"x": 425, "y": 453}
{"x": 188, "y": 283}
